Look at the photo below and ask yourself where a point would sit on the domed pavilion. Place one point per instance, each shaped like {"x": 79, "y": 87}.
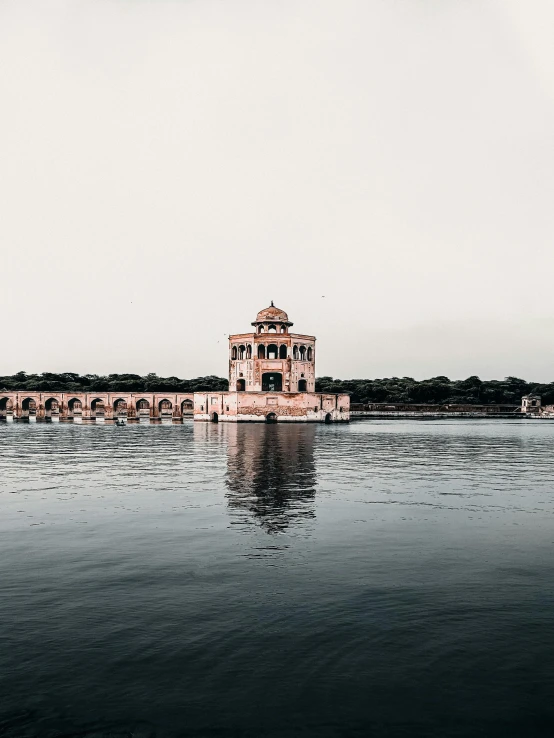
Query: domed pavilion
{"x": 272, "y": 377}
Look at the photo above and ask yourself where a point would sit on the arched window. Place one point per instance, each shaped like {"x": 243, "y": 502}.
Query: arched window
{"x": 282, "y": 351}
{"x": 309, "y": 353}
{"x": 295, "y": 352}
{"x": 249, "y": 351}
{"x": 241, "y": 385}
{"x": 272, "y": 329}
{"x": 302, "y": 385}
{"x": 242, "y": 351}
{"x": 234, "y": 353}
{"x": 302, "y": 353}
{"x": 260, "y": 329}
{"x": 272, "y": 351}
{"x": 261, "y": 351}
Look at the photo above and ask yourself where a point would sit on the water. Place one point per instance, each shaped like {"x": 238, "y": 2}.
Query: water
{"x": 386, "y": 578}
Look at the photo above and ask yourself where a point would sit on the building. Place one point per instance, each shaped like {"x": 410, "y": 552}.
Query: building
{"x": 532, "y": 407}
{"x": 531, "y": 404}
{"x": 271, "y": 378}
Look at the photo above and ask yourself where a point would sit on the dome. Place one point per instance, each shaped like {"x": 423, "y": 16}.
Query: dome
{"x": 272, "y": 314}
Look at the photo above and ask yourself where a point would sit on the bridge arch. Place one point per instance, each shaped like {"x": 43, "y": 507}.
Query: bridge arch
{"x": 6, "y": 403}
{"x": 29, "y": 405}
{"x": 97, "y": 406}
{"x": 75, "y": 405}
{"x": 52, "y": 405}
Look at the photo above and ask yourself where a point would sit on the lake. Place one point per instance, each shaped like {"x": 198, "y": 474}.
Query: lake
{"x": 381, "y": 579}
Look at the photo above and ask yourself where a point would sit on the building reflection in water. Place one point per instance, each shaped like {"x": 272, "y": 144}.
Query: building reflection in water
{"x": 271, "y": 474}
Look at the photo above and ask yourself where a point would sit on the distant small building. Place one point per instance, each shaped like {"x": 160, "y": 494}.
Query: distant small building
{"x": 531, "y": 404}
{"x": 271, "y": 378}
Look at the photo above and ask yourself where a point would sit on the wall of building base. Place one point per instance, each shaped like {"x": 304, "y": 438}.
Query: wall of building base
{"x": 261, "y": 407}
{"x": 280, "y": 419}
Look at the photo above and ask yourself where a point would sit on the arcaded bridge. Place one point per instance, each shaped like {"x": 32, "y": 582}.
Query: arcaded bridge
{"x": 95, "y": 406}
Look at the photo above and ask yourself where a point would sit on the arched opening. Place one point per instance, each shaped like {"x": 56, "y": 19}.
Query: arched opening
{"x": 143, "y": 410}
{"x": 75, "y": 406}
{"x": 97, "y": 408}
{"x": 241, "y": 385}
{"x": 271, "y": 418}
{"x": 309, "y": 353}
{"x": 29, "y": 406}
{"x": 52, "y": 405}
{"x": 6, "y": 405}
{"x": 283, "y": 329}
{"x": 120, "y": 407}
{"x": 261, "y": 351}
{"x": 214, "y": 418}
{"x": 272, "y": 351}
{"x": 242, "y": 352}
{"x": 165, "y": 407}
{"x": 302, "y": 352}
{"x": 302, "y": 385}
{"x": 187, "y": 407}
{"x": 260, "y": 329}
{"x": 272, "y": 382}
{"x": 234, "y": 353}
{"x": 249, "y": 351}
{"x": 282, "y": 351}
{"x": 272, "y": 329}
{"x": 295, "y": 353}
{"x": 328, "y": 418}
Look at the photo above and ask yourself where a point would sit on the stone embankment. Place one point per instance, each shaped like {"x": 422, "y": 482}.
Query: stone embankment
{"x": 407, "y": 410}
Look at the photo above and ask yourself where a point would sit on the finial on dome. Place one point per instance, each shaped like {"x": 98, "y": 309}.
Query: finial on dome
{"x": 272, "y": 305}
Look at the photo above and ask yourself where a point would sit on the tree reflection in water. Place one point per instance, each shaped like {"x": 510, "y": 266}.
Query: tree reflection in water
{"x": 271, "y": 473}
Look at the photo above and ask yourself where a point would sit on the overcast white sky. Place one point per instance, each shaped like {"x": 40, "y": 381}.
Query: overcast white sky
{"x": 168, "y": 168}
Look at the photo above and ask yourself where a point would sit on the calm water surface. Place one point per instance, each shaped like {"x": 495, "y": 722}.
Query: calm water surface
{"x": 385, "y": 578}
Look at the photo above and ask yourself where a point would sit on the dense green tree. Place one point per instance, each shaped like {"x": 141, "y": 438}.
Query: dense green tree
{"x": 435, "y": 390}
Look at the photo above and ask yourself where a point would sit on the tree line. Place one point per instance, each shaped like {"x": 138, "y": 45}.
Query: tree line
{"x": 72, "y": 382}
{"x": 470, "y": 391}
{"x": 438, "y": 390}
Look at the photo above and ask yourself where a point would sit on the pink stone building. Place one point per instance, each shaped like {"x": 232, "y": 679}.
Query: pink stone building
{"x": 271, "y": 378}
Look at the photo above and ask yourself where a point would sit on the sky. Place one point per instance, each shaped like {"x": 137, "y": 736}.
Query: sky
{"x": 382, "y": 169}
